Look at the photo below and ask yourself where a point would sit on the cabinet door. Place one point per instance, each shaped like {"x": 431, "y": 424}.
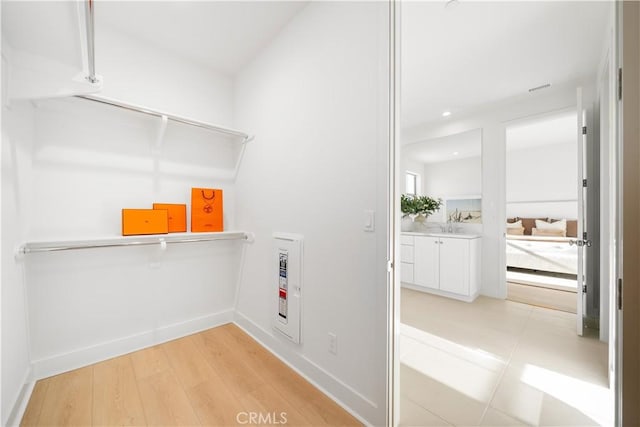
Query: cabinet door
{"x": 426, "y": 262}
{"x": 406, "y": 253}
{"x": 454, "y": 265}
{"x": 406, "y": 272}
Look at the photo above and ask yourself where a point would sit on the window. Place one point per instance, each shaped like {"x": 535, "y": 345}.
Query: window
{"x": 411, "y": 186}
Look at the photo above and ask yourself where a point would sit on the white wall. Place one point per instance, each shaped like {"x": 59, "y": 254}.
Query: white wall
{"x": 84, "y": 163}
{"x": 17, "y": 136}
{"x": 453, "y": 178}
{"x": 493, "y": 119}
{"x": 542, "y": 181}
{"x": 316, "y": 100}
{"x": 140, "y": 73}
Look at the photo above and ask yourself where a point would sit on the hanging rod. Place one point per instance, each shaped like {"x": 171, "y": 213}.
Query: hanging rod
{"x": 28, "y": 248}
{"x": 221, "y": 129}
{"x": 88, "y": 15}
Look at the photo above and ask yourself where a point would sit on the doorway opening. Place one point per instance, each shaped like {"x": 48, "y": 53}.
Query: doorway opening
{"x": 468, "y": 355}
{"x": 542, "y": 200}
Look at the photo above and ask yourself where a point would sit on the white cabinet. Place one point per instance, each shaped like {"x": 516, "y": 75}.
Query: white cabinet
{"x": 442, "y": 264}
{"x": 426, "y": 271}
{"x": 406, "y": 259}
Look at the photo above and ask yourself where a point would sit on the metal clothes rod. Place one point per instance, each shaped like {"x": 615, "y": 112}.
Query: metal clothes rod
{"x": 61, "y": 246}
{"x": 90, "y": 41}
{"x": 131, "y": 107}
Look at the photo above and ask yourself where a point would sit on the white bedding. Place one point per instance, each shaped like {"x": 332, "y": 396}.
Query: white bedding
{"x": 553, "y": 254}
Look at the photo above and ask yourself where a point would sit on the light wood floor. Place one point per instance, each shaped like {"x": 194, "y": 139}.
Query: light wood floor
{"x": 203, "y": 379}
{"x": 542, "y": 297}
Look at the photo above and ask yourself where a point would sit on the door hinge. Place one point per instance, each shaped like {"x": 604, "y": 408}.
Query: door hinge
{"x": 584, "y": 289}
{"x": 584, "y": 130}
{"x": 584, "y": 236}
{"x": 584, "y": 182}
{"x": 620, "y": 293}
{"x": 619, "y": 83}
{"x": 389, "y": 266}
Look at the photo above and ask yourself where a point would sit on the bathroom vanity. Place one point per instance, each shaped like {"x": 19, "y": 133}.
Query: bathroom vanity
{"x": 446, "y": 264}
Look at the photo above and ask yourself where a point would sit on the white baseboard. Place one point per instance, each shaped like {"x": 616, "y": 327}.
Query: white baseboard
{"x": 60, "y": 363}
{"x": 351, "y": 400}
{"x": 22, "y": 400}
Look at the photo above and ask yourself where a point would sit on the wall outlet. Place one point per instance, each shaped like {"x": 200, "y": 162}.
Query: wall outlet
{"x": 333, "y": 343}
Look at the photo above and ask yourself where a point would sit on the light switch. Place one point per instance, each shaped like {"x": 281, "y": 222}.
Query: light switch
{"x": 369, "y": 220}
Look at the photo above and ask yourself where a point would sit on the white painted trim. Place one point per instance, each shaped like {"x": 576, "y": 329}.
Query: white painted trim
{"x": 310, "y": 371}
{"x": 22, "y": 400}
{"x": 60, "y": 363}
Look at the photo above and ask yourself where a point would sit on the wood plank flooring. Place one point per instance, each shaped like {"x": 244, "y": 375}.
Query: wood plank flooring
{"x": 203, "y": 379}
{"x": 542, "y": 297}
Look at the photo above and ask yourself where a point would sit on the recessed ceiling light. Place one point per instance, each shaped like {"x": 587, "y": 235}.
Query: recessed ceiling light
{"x": 455, "y": 153}
{"x": 446, "y": 114}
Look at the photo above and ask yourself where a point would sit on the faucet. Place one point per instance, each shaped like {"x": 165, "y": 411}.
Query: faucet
{"x": 450, "y": 227}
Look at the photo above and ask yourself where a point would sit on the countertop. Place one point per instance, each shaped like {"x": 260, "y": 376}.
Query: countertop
{"x": 450, "y": 235}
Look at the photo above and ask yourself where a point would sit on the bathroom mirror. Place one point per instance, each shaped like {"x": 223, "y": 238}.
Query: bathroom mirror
{"x": 447, "y": 168}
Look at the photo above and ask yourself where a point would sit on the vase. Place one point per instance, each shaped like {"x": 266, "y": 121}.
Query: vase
{"x": 420, "y": 222}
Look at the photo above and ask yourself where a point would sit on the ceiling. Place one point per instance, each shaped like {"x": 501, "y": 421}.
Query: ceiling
{"x": 559, "y": 128}
{"x": 556, "y": 129}
{"x": 472, "y": 53}
{"x": 223, "y": 35}
{"x": 452, "y": 147}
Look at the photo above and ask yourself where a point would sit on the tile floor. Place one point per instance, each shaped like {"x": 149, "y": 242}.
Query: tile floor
{"x": 498, "y": 363}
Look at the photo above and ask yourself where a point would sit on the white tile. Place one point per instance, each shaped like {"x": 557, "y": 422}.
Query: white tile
{"x": 568, "y": 353}
{"x": 495, "y": 418}
{"x": 470, "y": 379}
{"x": 440, "y": 399}
{"x": 538, "y": 396}
{"x": 412, "y": 414}
{"x": 420, "y": 338}
{"x": 541, "y": 372}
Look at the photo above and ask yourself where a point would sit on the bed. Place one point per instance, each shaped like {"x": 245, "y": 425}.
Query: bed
{"x": 543, "y": 253}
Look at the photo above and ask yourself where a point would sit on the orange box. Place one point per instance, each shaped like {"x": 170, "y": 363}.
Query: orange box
{"x": 144, "y": 221}
{"x": 206, "y": 210}
{"x": 177, "y": 216}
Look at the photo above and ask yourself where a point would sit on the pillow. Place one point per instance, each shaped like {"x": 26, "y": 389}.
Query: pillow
{"x": 515, "y": 231}
{"x": 572, "y": 227}
{"x": 516, "y": 224}
{"x": 549, "y": 232}
{"x": 529, "y": 223}
{"x": 558, "y": 225}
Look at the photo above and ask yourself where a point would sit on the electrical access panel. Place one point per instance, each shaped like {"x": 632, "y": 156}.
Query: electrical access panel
{"x": 287, "y": 287}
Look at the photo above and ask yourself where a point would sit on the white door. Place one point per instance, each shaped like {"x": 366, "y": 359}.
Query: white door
{"x": 454, "y": 266}
{"x": 426, "y": 267}
{"x": 581, "y": 241}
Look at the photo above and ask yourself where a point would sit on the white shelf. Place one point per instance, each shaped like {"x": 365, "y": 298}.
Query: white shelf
{"x": 144, "y": 110}
{"x": 110, "y": 242}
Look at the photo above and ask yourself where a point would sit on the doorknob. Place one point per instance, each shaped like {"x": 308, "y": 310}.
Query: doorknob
{"x": 588, "y": 243}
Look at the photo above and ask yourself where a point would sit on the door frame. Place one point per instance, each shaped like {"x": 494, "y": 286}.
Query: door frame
{"x": 628, "y": 244}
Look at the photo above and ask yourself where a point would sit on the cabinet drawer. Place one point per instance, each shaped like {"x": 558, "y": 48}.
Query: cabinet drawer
{"x": 406, "y": 253}
{"x": 406, "y": 272}
{"x": 406, "y": 240}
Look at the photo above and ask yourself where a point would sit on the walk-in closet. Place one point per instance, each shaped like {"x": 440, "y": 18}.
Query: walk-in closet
{"x": 282, "y": 108}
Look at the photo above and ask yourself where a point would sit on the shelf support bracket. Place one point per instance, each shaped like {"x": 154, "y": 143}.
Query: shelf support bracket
{"x": 244, "y": 143}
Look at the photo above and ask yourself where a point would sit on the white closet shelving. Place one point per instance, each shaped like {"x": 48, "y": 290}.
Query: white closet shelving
{"x": 161, "y": 240}
{"x": 209, "y": 126}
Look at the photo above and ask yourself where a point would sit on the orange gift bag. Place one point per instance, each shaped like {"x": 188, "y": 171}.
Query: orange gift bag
{"x": 206, "y": 210}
